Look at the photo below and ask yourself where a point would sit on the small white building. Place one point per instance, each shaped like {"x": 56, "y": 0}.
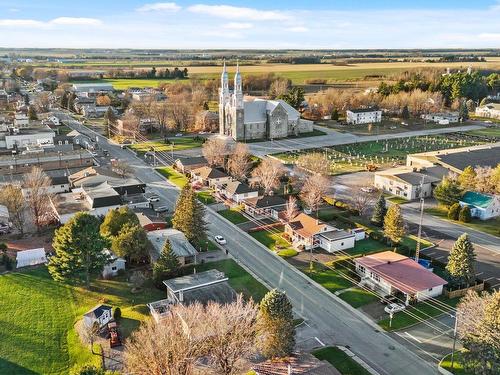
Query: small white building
{"x": 337, "y": 240}
{"x": 31, "y": 257}
{"x": 491, "y": 110}
{"x": 237, "y": 191}
{"x": 483, "y": 206}
{"x": 100, "y": 314}
{"x": 114, "y": 265}
{"x": 443, "y": 118}
{"x": 21, "y": 120}
{"x": 363, "y": 116}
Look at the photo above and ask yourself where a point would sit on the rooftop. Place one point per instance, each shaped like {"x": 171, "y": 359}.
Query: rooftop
{"x": 178, "y": 241}
{"x": 334, "y": 235}
{"x": 265, "y": 201}
{"x": 45, "y": 157}
{"x": 195, "y": 280}
{"x": 401, "y": 272}
{"x": 237, "y": 187}
{"x": 477, "y": 199}
{"x": 363, "y": 110}
{"x": 299, "y": 364}
{"x": 209, "y": 172}
{"x": 193, "y": 160}
{"x": 306, "y": 225}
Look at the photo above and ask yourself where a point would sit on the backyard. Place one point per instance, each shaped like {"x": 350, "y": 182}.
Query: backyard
{"x": 355, "y": 157}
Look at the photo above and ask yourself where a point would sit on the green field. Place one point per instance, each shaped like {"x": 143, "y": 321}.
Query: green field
{"x": 173, "y": 176}
{"x": 233, "y": 215}
{"x": 38, "y": 314}
{"x": 357, "y": 297}
{"x": 273, "y": 239}
{"x": 354, "y": 157}
{"x": 125, "y": 83}
{"x": 340, "y": 360}
{"x": 486, "y": 132}
{"x": 176, "y": 144}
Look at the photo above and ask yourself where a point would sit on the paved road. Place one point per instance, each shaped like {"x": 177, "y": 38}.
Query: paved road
{"x": 333, "y": 138}
{"x": 337, "y": 322}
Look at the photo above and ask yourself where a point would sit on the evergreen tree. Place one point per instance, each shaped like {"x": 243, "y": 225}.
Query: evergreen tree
{"x": 64, "y": 100}
{"x": 294, "y": 97}
{"x": 205, "y": 106}
{"x": 109, "y": 116}
{"x": 454, "y": 211}
{"x": 335, "y": 115}
{"x": 276, "y": 331}
{"x": 461, "y": 267}
{"x": 78, "y": 248}
{"x": 467, "y": 178}
{"x": 379, "y": 211}
{"x": 32, "y": 113}
{"x": 448, "y": 192}
{"x": 116, "y": 219}
{"x": 394, "y": 228}
{"x": 167, "y": 265}
{"x": 465, "y": 215}
{"x": 189, "y": 216}
{"x": 132, "y": 243}
{"x": 405, "y": 113}
{"x": 463, "y": 111}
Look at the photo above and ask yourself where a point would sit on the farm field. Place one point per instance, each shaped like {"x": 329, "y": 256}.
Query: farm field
{"x": 38, "y": 315}
{"x": 125, "y": 83}
{"x": 355, "y": 157}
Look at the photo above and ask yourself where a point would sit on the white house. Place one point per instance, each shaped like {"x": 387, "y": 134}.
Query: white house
{"x": 100, "y": 314}
{"x": 237, "y": 191}
{"x": 337, "y": 240}
{"x": 443, "y": 118}
{"x": 31, "y": 257}
{"x": 21, "y": 120}
{"x": 210, "y": 176}
{"x": 363, "y": 116}
{"x": 482, "y": 206}
{"x": 491, "y": 110}
{"x": 389, "y": 273}
{"x": 114, "y": 265}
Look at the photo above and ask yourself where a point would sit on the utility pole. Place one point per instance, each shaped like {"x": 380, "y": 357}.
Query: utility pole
{"x": 454, "y": 341}
{"x": 419, "y": 235}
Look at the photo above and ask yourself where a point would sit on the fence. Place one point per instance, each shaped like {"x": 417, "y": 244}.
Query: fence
{"x": 462, "y": 292}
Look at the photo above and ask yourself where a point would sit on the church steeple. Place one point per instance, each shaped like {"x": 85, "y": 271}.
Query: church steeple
{"x": 224, "y": 80}
{"x": 238, "y": 89}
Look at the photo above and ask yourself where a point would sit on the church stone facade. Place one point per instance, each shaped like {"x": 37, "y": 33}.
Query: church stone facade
{"x": 258, "y": 119}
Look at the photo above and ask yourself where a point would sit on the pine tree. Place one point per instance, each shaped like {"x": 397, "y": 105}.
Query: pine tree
{"x": 166, "y": 266}
{"x": 463, "y": 111}
{"x": 394, "y": 228}
{"x": 132, "y": 243}
{"x": 64, "y": 100}
{"x": 465, "y": 215}
{"x": 276, "y": 331}
{"x": 116, "y": 219}
{"x": 32, "y": 113}
{"x": 78, "y": 248}
{"x": 448, "y": 192}
{"x": 461, "y": 261}
{"x": 379, "y": 211}
{"x": 453, "y": 211}
{"x": 467, "y": 178}
{"x": 335, "y": 115}
{"x": 189, "y": 216}
{"x": 405, "y": 113}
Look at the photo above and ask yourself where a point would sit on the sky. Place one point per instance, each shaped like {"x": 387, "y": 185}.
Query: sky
{"x": 237, "y": 24}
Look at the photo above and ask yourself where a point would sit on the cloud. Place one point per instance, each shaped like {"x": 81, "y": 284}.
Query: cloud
{"x": 490, "y": 36}
{"x": 75, "y": 21}
{"x": 238, "y": 25}
{"x": 14, "y": 10}
{"x": 232, "y": 12}
{"x": 159, "y": 7}
{"x": 298, "y": 29}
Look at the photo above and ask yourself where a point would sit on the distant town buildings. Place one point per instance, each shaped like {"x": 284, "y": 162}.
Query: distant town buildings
{"x": 491, "y": 110}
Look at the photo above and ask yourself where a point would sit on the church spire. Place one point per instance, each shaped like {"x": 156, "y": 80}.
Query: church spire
{"x": 224, "y": 80}
{"x": 238, "y": 89}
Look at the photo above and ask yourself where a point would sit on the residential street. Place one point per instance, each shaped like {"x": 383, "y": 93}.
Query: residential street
{"x": 337, "y": 322}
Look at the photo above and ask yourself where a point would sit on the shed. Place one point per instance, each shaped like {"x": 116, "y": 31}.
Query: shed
{"x": 31, "y": 257}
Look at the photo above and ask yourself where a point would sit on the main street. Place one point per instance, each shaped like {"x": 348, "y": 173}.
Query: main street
{"x": 337, "y": 322}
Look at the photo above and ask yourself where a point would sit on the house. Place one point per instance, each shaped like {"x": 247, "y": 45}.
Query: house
{"x": 114, "y": 265}
{"x": 92, "y": 89}
{"x": 185, "y": 252}
{"x": 201, "y": 287}
{"x": 442, "y": 118}
{"x": 93, "y": 111}
{"x": 483, "y": 206}
{"x": 31, "y": 257}
{"x": 4, "y": 214}
{"x": 15, "y": 138}
{"x": 491, "y": 110}
{"x": 457, "y": 159}
{"x": 100, "y": 315}
{"x": 186, "y": 165}
{"x": 237, "y": 191}
{"x": 296, "y": 364}
{"x": 409, "y": 183}
{"x": 267, "y": 206}
{"x": 21, "y": 120}
{"x": 307, "y": 232}
{"x": 363, "y": 116}
{"x": 391, "y": 273}
{"x": 209, "y": 176}
{"x": 150, "y": 220}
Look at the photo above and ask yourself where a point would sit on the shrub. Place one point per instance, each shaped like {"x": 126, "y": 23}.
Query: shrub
{"x": 376, "y": 236}
{"x": 454, "y": 211}
{"x": 117, "y": 314}
{"x": 404, "y": 250}
{"x": 287, "y": 253}
{"x": 465, "y": 216}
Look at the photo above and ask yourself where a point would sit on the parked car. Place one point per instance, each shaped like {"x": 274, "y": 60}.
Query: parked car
{"x": 153, "y": 198}
{"x": 161, "y": 209}
{"x": 220, "y": 240}
{"x": 394, "y": 308}
{"x": 179, "y": 135}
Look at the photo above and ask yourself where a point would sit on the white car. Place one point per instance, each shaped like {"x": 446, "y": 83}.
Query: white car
{"x": 161, "y": 209}
{"x": 153, "y": 198}
{"x": 368, "y": 189}
{"x": 179, "y": 135}
{"x": 394, "y": 308}
{"x": 220, "y": 240}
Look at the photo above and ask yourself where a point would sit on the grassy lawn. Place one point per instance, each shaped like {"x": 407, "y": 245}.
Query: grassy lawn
{"x": 358, "y": 297}
{"x": 205, "y": 197}
{"x": 38, "y": 315}
{"x": 458, "y": 367}
{"x": 425, "y": 311}
{"x": 272, "y": 240}
{"x": 328, "y": 278}
{"x": 239, "y": 279}
{"x": 397, "y": 200}
{"x": 491, "y": 226}
{"x": 125, "y": 83}
{"x": 173, "y": 176}
{"x": 340, "y": 360}
{"x": 178, "y": 144}
{"x": 233, "y": 215}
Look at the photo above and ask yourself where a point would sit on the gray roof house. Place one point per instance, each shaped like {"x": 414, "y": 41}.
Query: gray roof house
{"x": 180, "y": 245}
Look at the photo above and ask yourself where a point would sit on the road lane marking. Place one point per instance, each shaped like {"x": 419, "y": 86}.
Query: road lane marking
{"x": 414, "y": 338}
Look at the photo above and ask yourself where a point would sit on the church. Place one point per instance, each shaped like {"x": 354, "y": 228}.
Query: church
{"x": 245, "y": 120}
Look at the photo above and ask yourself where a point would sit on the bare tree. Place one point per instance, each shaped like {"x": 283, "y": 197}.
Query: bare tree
{"x": 313, "y": 191}
{"x": 268, "y": 174}
{"x": 291, "y": 209}
{"x": 12, "y": 197}
{"x": 122, "y": 168}
{"x": 36, "y": 184}
{"x": 483, "y": 180}
{"x": 207, "y": 121}
{"x": 361, "y": 201}
{"x": 181, "y": 111}
{"x": 238, "y": 162}
{"x": 215, "y": 150}
{"x": 130, "y": 125}
{"x": 279, "y": 87}
{"x": 315, "y": 162}
{"x": 160, "y": 112}
{"x": 42, "y": 101}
